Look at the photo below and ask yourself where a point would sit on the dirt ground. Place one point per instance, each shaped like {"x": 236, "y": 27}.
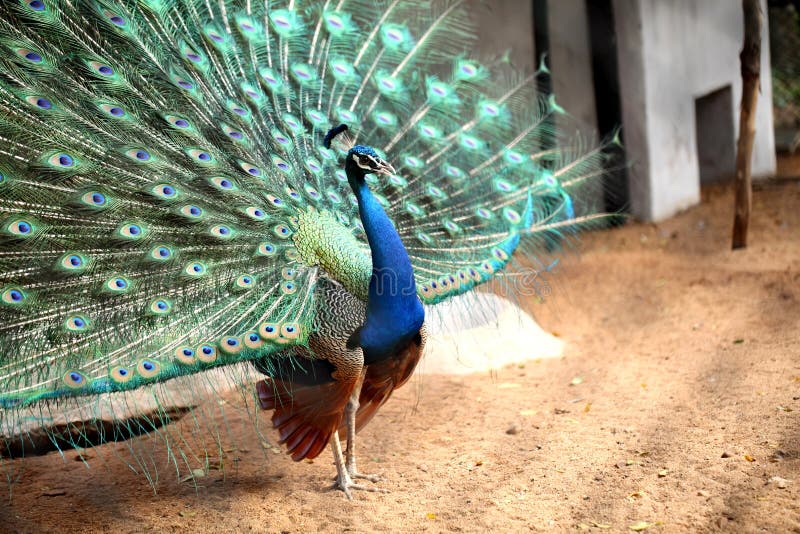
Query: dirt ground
{"x": 675, "y": 408}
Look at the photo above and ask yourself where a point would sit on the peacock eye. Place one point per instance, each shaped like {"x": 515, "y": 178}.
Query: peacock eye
{"x": 363, "y": 160}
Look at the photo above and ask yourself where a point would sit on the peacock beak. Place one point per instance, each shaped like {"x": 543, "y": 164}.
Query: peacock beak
{"x": 384, "y": 168}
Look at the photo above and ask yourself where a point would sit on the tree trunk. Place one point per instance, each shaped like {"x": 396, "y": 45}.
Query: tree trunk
{"x": 750, "y": 58}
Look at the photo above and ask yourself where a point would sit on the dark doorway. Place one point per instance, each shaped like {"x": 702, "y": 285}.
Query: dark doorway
{"x": 605, "y": 73}
{"x": 716, "y": 145}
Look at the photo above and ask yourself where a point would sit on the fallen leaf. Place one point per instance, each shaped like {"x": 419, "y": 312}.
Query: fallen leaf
{"x": 640, "y": 526}
{"x": 635, "y": 495}
{"x": 187, "y": 513}
{"x": 587, "y": 407}
{"x": 749, "y": 458}
{"x": 430, "y": 515}
{"x": 738, "y": 341}
{"x": 601, "y": 525}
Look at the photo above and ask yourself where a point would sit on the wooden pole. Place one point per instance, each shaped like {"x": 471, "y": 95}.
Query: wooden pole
{"x": 750, "y": 58}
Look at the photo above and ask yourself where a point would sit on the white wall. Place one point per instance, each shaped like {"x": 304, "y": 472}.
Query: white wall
{"x": 669, "y": 54}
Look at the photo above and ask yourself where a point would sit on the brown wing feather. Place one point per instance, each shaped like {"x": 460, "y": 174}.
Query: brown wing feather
{"x": 306, "y": 416}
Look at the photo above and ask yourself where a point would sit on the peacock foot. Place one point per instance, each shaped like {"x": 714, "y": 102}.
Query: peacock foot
{"x": 346, "y": 472}
{"x": 344, "y": 482}
{"x": 354, "y": 474}
{"x": 371, "y": 478}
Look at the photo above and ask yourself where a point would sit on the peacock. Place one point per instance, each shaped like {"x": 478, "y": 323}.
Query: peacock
{"x": 281, "y": 188}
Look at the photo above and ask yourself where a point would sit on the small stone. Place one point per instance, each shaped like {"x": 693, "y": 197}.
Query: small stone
{"x": 727, "y": 454}
{"x": 423, "y": 468}
{"x": 512, "y": 430}
{"x": 702, "y": 493}
{"x": 780, "y": 482}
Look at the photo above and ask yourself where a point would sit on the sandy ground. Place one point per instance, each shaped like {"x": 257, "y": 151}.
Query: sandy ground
{"x": 674, "y": 408}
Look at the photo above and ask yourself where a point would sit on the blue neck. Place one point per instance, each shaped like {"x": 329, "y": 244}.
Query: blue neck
{"x": 394, "y": 312}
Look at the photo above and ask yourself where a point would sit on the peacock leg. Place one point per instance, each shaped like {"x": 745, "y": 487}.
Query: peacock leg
{"x": 350, "y": 453}
{"x": 343, "y": 480}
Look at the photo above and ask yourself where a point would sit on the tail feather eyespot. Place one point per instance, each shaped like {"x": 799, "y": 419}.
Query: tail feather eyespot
{"x": 269, "y": 330}
{"x": 186, "y": 355}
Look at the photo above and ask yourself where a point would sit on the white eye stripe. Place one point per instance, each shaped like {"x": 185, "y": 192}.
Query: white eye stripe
{"x": 366, "y": 161}
{"x": 373, "y": 163}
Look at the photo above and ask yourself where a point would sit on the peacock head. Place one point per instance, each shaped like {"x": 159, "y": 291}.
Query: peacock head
{"x": 363, "y": 160}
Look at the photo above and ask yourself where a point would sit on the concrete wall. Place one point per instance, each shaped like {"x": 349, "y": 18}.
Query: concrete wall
{"x": 671, "y": 53}
{"x": 571, "y": 62}
{"x": 505, "y": 25}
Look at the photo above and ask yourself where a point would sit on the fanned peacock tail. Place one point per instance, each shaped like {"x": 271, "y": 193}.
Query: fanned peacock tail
{"x": 167, "y": 206}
